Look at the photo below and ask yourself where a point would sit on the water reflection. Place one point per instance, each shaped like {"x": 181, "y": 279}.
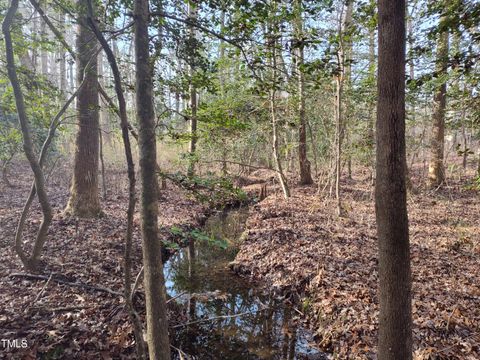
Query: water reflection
{"x": 245, "y": 325}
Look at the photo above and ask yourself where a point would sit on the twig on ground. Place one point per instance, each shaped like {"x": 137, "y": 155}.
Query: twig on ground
{"x": 42, "y": 290}
{"x": 182, "y": 354}
{"x": 176, "y": 296}
{"x": 136, "y": 283}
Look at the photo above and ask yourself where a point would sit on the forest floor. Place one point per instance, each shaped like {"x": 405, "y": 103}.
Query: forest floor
{"x": 297, "y": 247}
{"x": 59, "y": 320}
{"x": 329, "y": 265}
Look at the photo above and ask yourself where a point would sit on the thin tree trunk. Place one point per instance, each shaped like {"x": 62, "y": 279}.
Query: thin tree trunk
{"x": 154, "y": 282}
{"x": 5, "y": 166}
{"x": 221, "y": 55}
{"x": 192, "y": 148}
{"x": 102, "y": 165}
{"x": 395, "y": 322}
{"x": 464, "y": 130}
{"x": 273, "y": 114}
{"x": 347, "y": 47}
{"x": 43, "y": 52}
{"x": 338, "y": 141}
{"x": 30, "y": 263}
{"x": 63, "y": 64}
{"x": 411, "y": 66}
{"x": 436, "y": 170}
{"x": 103, "y": 116}
{"x": 339, "y": 113}
{"x": 478, "y": 164}
{"x": 371, "y": 107}
{"x": 71, "y": 76}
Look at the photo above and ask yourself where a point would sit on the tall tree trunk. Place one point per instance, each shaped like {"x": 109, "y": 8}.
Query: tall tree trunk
{"x": 84, "y": 198}
{"x": 30, "y": 263}
{"x": 43, "y": 52}
{"x": 154, "y": 282}
{"x": 411, "y": 69}
{"x": 347, "y": 45}
{"x": 124, "y": 124}
{"x": 221, "y": 55}
{"x": 272, "y": 40}
{"x": 436, "y": 170}
{"x": 34, "y": 49}
{"x": 103, "y": 120}
{"x": 371, "y": 106}
{"x": 338, "y": 140}
{"x": 192, "y": 147}
{"x": 395, "y": 322}
{"x": 339, "y": 105}
{"x": 71, "y": 74}
{"x": 62, "y": 65}
{"x": 304, "y": 163}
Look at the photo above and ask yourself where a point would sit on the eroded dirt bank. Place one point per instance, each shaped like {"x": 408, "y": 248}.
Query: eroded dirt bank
{"x": 299, "y": 247}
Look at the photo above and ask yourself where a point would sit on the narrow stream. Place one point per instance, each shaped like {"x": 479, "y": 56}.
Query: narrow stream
{"x": 227, "y": 319}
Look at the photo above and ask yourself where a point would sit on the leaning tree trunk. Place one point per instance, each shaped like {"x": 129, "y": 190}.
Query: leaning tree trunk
{"x": 395, "y": 323}
{"x": 84, "y": 195}
{"x": 154, "y": 282}
{"x": 436, "y": 170}
{"x": 305, "y": 172}
{"x": 31, "y": 262}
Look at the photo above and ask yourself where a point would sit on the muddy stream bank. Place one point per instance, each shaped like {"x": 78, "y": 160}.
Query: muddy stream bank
{"x": 223, "y": 316}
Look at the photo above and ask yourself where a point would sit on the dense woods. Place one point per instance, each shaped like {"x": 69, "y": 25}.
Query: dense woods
{"x": 260, "y": 179}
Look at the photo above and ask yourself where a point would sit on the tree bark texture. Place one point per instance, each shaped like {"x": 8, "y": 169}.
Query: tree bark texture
{"x": 84, "y": 193}
{"x": 395, "y": 323}
{"x": 154, "y": 282}
{"x": 305, "y": 172}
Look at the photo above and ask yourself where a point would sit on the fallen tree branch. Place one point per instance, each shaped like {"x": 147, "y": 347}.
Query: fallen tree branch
{"x": 237, "y": 163}
{"x": 217, "y": 318}
{"x": 64, "y": 282}
{"x": 58, "y": 309}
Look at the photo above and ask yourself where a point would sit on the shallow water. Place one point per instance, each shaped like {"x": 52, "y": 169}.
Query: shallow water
{"x": 228, "y": 319}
